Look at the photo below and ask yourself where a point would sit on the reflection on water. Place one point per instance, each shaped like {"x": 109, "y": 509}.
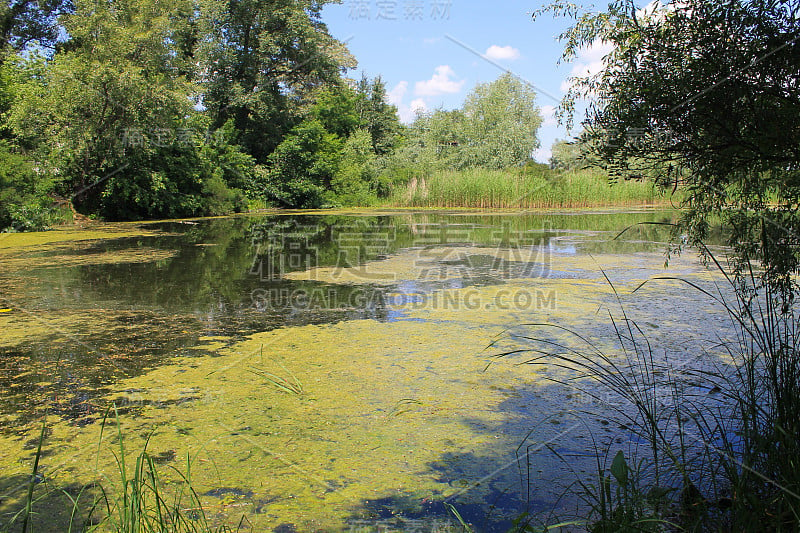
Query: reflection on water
{"x": 89, "y": 314}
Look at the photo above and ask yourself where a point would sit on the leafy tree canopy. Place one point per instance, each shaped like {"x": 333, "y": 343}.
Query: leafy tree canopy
{"x": 496, "y": 128}
{"x": 707, "y": 93}
{"x": 261, "y": 61}
{"x": 25, "y": 22}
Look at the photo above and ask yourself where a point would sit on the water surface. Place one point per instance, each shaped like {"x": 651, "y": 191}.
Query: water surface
{"x": 333, "y": 371}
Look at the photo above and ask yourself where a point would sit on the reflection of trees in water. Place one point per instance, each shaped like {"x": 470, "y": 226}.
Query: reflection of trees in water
{"x": 216, "y": 284}
{"x": 79, "y": 356}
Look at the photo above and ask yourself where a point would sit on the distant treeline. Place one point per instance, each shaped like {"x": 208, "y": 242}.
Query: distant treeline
{"x": 134, "y": 109}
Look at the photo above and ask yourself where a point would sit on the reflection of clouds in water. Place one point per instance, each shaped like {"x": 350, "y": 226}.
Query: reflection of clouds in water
{"x": 565, "y": 245}
{"x": 564, "y": 250}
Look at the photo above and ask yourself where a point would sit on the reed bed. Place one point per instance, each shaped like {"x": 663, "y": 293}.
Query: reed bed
{"x": 519, "y": 189}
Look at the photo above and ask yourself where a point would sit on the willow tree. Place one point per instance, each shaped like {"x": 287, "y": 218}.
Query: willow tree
{"x": 708, "y": 93}
{"x": 501, "y": 122}
{"x": 496, "y": 128}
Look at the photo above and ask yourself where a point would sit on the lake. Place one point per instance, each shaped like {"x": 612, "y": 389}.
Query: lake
{"x": 334, "y": 371}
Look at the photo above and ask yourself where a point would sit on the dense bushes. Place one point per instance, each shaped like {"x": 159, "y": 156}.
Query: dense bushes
{"x": 133, "y": 115}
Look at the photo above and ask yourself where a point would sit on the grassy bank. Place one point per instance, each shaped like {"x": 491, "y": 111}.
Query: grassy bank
{"x": 522, "y": 189}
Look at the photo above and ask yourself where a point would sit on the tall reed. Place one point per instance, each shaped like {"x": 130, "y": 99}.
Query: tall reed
{"x": 132, "y": 500}
{"x": 477, "y": 188}
{"x": 723, "y": 439}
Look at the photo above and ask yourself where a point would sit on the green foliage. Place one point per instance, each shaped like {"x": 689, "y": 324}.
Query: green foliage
{"x": 109, "y": 124}
{"x": 704, "y": 462}
{"x": 330, "y": 158}
{"x": 259, "y": 59}
{"x": 24, "y": 22}
{"x": 496, "y": 129}
{"x": 377, "y": 116}
{"x": 335, "y": 109}
{"x": 436, "y": 140}
{"x": 618, "y": 504}
{"x": 18, "y": 184}
{"x": 566, "y": 155}
{"x": 684, "y": 93}
{"x": 107, "y": 120}
{"x": 170, "y": 182}
{"x": 197, "y": 108}
{"x": 303, "y": 165}
{"x": 354, "y": 180}
{"x": 136, "y": 502}
{"x": 138, "y": 497}
{"x": 235, "y": 168}
{"x": 115, "y": 80}
{"x": 25, "y": 201}
{"x": 501, "y": 121}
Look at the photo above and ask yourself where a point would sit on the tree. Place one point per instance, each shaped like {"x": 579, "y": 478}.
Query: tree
{"x": 260, "y": 63}
{"x": 566, "y": 155}
{"x": 496, "y": 128}
{"x": 109, "y": 119}
{"x": 113, "y": 81}
{"x": 439, "y": 138}
{"x": 330, "y": 158}
{"x": 501, "y": 122}
{"x": 25, "y": 22}
{"x": 335, "y": 107}
{"x": 706, "y": 93}
{"x": 376, "y": 115}
{"x": 353, "y": 182}
{"x": 141, "y": 109}
{"x": 303, "y": 166}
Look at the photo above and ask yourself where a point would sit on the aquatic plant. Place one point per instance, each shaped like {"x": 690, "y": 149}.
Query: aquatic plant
{"x": 514, "y": 188}
{"x": 721, "y": 438}
{"x": 133, "y": 501}
{"x": 33, "y": 480}
{"x": 291, "y": 385}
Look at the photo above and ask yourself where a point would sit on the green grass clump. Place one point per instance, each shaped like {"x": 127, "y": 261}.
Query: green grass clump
{"x": 134, "y": 499}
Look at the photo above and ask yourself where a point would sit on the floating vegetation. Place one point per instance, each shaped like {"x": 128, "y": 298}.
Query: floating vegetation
{"x": 291, "y": 385}
{"x": 321, "y": 418}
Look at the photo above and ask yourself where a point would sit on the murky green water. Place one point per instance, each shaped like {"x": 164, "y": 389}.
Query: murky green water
{"x": 329, "y": 372}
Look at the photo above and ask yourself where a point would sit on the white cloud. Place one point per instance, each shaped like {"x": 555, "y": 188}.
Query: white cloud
{"x": 655, "y": 12}
{"x": 502, "y": 52}
{"x": 649, "y": 11}
{"x": 398, "y": 92}
{"x": 549, "y": 115}
{"x": 542, "y": 155}
{"x": 418, "y": 105}
{"x": 408, "y": 112}
{"x": 440, "y": 83}
{"x": 588, "y": 62}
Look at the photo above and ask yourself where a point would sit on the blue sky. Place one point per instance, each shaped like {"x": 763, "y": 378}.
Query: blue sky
{"x": 431, "y": 53}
